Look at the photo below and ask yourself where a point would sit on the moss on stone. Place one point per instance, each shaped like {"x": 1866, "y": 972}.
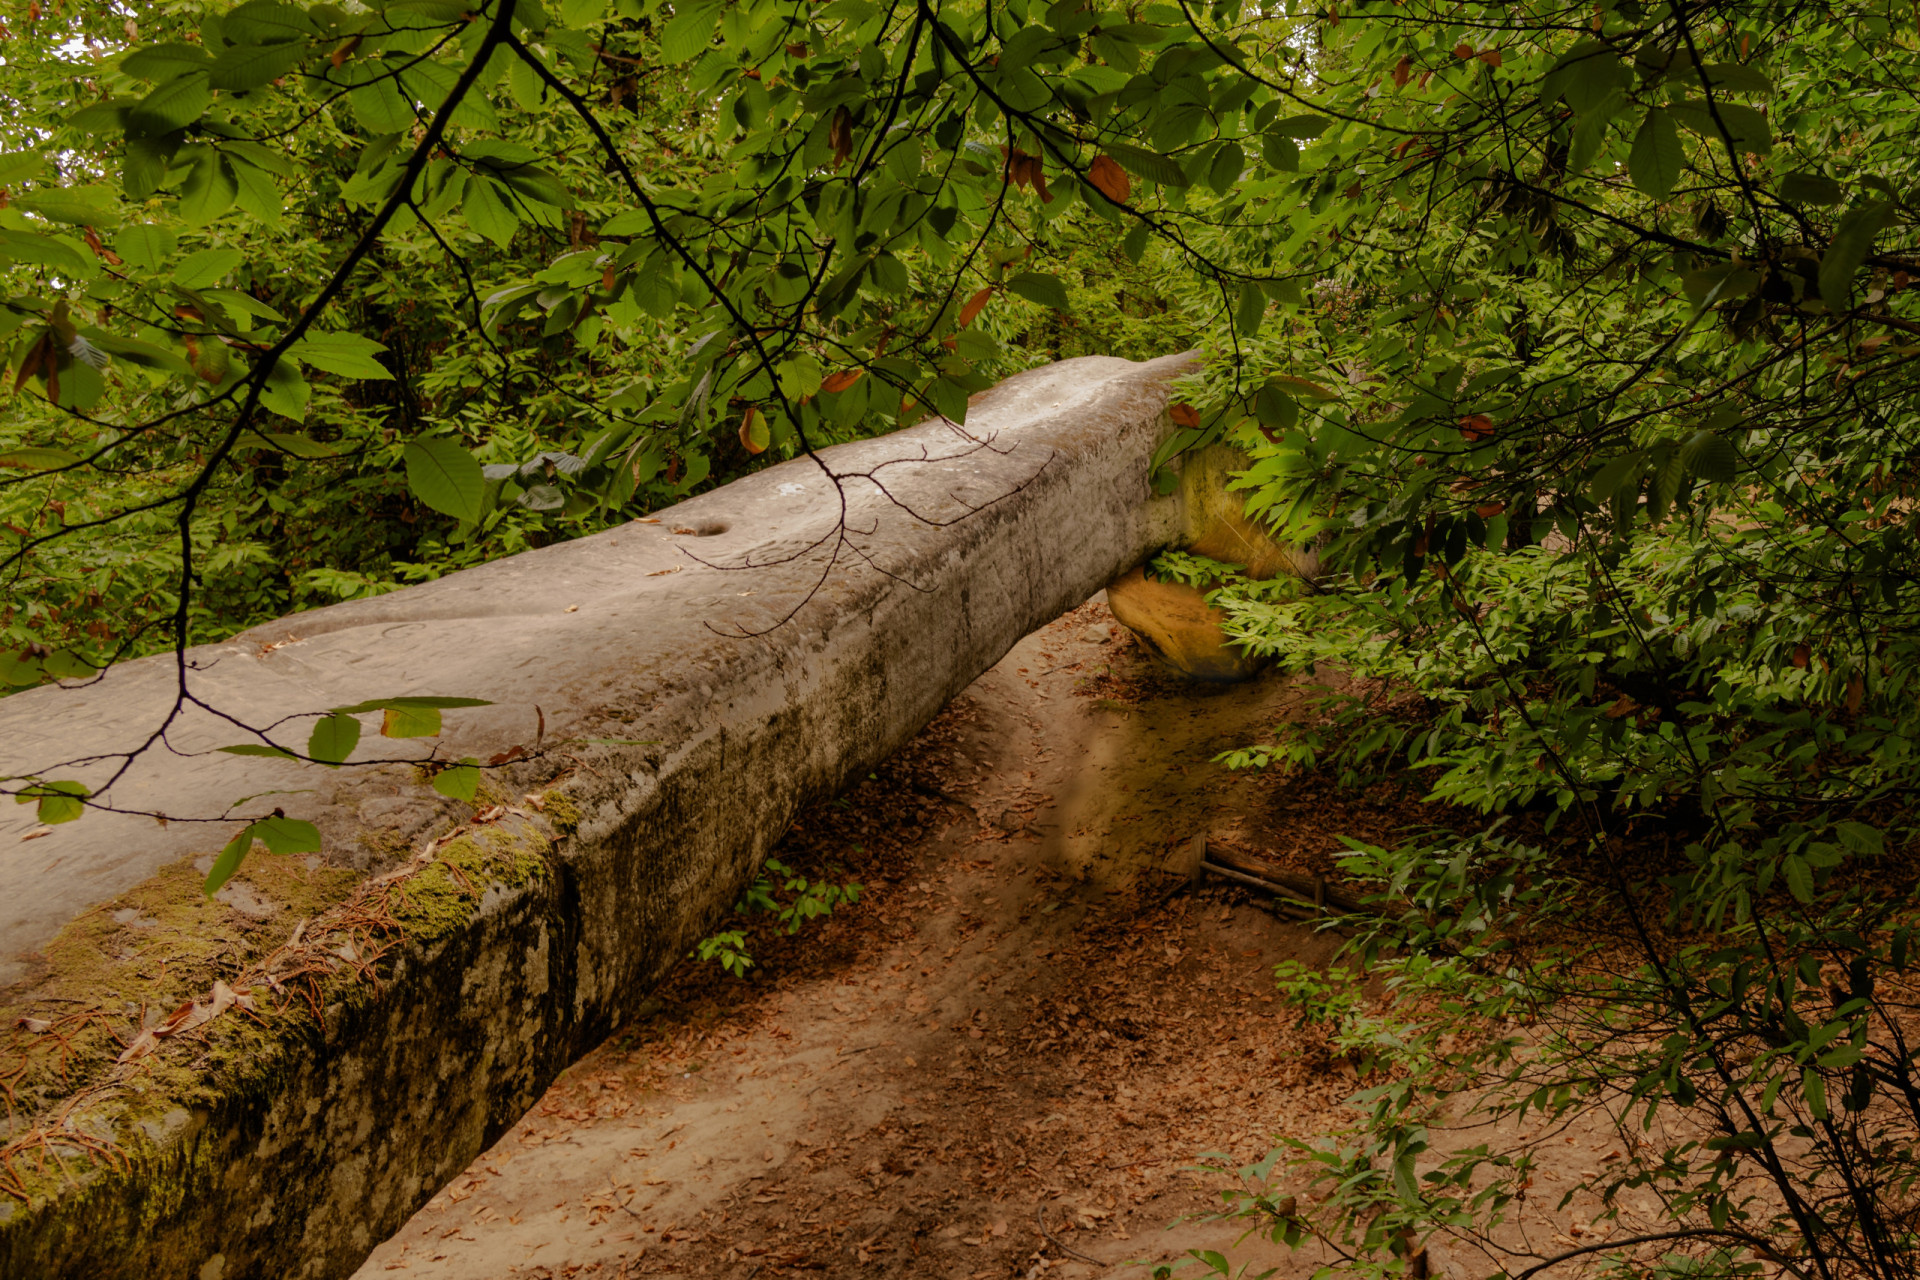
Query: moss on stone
{"x": 162, "y": 944}
{"x": 156, "y": 946}
{"x": 443, "y": 896}
{"x": 561, "y": 811}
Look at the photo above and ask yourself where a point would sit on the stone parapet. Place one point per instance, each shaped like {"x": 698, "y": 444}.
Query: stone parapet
{"x": 268, "y": 1083}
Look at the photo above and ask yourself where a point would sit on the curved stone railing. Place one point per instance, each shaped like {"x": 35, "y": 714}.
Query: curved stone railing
{"x": 269, "y": 1083}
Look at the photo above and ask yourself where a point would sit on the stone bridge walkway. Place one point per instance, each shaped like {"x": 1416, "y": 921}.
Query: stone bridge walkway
{"x": 1018, "y": 1025}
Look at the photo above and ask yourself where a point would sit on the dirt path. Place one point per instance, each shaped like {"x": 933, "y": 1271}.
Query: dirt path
{"x": 1019, "y": 1025}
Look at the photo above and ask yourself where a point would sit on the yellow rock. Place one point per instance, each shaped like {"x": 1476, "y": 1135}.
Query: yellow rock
{"x": 1174, "y": 620}
{"x": 1178, "y": 626}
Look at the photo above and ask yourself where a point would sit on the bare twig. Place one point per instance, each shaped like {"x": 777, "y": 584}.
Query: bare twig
{"x": 1040, "y": 1220}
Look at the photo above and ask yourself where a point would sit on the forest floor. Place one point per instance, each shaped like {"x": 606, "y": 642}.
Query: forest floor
{"x": 1009, "y": 1059}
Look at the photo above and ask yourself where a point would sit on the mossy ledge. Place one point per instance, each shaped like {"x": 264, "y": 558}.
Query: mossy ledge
{"x": 310, "y": 1058}
{"x": 408, "y": 1002}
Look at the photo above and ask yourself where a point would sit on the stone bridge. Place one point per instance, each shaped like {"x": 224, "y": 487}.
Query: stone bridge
{"x": 270, "y": 1082}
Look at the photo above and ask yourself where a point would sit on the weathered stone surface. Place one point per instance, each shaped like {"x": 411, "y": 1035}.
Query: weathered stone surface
{"x": 1173, "y": 619}
{"x": 684, "y": 688}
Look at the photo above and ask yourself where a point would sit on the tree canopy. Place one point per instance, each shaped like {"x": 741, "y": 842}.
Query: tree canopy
{"x": 1581, "y": 338}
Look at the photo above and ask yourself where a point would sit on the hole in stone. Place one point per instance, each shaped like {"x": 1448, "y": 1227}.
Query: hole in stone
{"x": 701, "y": 529}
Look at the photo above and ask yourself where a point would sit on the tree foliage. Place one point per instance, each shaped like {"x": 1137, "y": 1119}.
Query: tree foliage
{"x": 1581, "y": 338}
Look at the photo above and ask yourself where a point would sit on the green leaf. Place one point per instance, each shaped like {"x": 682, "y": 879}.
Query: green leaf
{"x": 165, "y": 61}
{"x": 459, "y": 781}
{"x": 1852, "y": 242}
{"x": 145, "y": 246}
{"x": 445, "y": 477}
{"x": 297, "y": 445}
{"x": 146, "y": 160}
{"x": 286, "y": 392}
{"x": 287, "y": 835}
{"x": 255, "y": 192}
{"x": 1227, "y": 166}
{"x": 102, "y": 119}
{"x": 65, "y": 664}
{"x": 1747, "y": 127}
{"x": 1804, "y": 186}
{"x": 264, "y": 21}
{"x": 1281, "y": 152}
{"x": 246, "y": 67}
{"x": 1590, "y": 132}
{"x": 209, "y": 190}
{"x": 1618, "y": 473}
{"x": 18, "y": 166}
{"x": 381, "y": 704}
{"x": 347, "y": 354}
{"x": 1710, "y": 456}
{"x": 260, "y": 749}
{"x": 58, "y": 801}
{"x": 1815, "y": 1088}
{"x": 1304, "y": 127}
{"x": 1860, "y": 837}
{"x": 488, "y": 212}
{"x": 37, "y": 458}
{"x": 334, "y": 737}
{"x": 229, "y": 861}
{"x": 206, "y": 267}
{"x": 1038, "y": 286}
{"x": 1733, "y": 77}
{"x": 1657, "y": 156}
{"x": 410, "y": 722}
{"x": 174, "y": 105}
{"x": 688, "y": 34}
{"x": 525, "y": 86}
{"x": 1799, "y": 876}
{"x": 47, "y": 251}
{"x": 148, "y": 355}
{"x": 1151, "y": 165}
{"x": 1252, "y": 309}
{"x": 578, "y": 13}
{"x": 1590, "y": 72}
{"x": 20, "y": 669}
{"x": 77, "y": 206}
{"x": 379, "y": 105}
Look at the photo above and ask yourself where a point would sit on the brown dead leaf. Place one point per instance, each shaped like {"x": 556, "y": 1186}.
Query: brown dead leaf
{"x": 1476, "y": 426}
{"x": 845, "y": 378}
{"x": 754, "y": 436}
{"x": 1109, "y": 179}
{"x": 188, "y": 1016}
{"x": 971, "y": 312}
{"x": 840, "y": 135}
{"x": 99, "y": 250}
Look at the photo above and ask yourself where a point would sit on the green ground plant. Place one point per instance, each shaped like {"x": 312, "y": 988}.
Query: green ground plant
{"x": 792, "y": 900}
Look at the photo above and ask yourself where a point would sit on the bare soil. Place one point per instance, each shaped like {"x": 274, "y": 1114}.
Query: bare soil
{"x": 1007, "y": 1060}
